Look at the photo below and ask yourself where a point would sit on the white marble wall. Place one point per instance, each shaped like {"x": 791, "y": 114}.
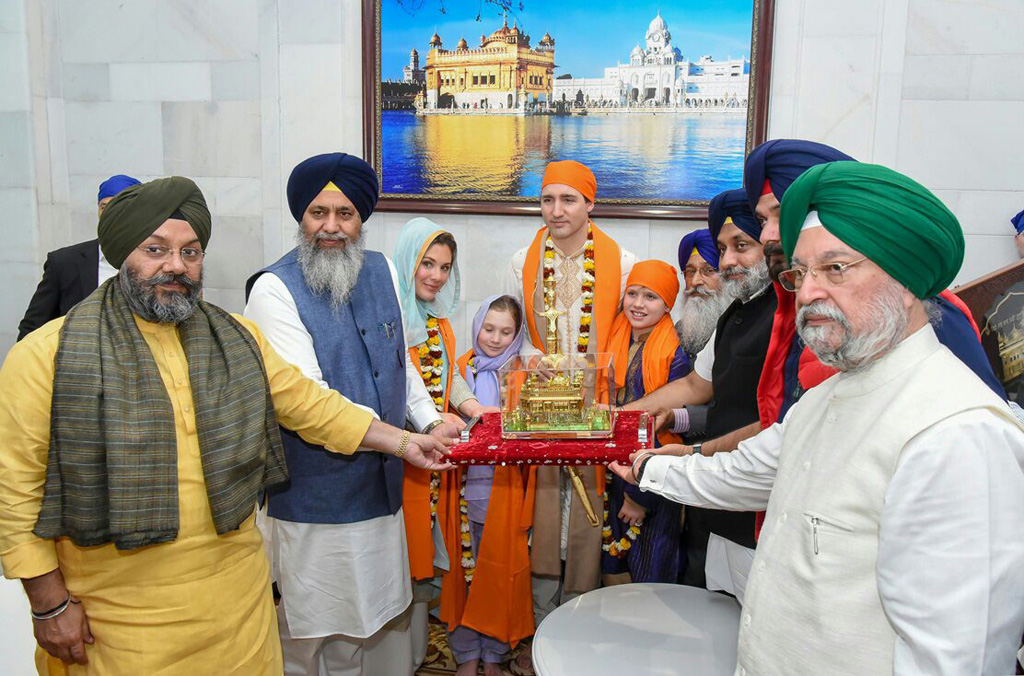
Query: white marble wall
{"x": 933, "y": 88}
{"x": 17, "y": 175}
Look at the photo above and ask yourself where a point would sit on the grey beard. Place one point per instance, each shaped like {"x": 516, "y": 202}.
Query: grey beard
{"x": 142, "y": 300}
{"x": 331, "y": 271}
{"x": 699, "y": 317}
{"x": 753, "y": 280}
{"x": 856, "y": 352}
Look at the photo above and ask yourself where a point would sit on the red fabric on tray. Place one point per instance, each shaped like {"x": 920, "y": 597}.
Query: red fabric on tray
{"x": 486, "y": 447}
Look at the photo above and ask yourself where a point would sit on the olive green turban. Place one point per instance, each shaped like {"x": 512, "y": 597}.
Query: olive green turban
{"x": 894, "y": 221}
{"x": 139, "y": 210}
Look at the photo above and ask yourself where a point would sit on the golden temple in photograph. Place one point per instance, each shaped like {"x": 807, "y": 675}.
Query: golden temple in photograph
{"x": 503, "y": 75}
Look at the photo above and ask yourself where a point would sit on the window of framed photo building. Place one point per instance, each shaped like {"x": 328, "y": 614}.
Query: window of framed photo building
{"x": 466, "y": 101}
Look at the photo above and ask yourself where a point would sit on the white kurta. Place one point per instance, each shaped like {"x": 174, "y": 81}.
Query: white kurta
{"x": 950, "y": 560}
{"x": 347, "y": 579}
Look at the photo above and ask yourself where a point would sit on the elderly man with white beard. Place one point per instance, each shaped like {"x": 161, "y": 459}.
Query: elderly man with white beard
{"x": 894, "y": 536}
{"x": 330, "y": 307}
{"x": 724, "y": 376}
{"x": 703, "y": 302}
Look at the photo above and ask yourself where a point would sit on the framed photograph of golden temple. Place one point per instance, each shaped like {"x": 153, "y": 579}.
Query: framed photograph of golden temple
{"x": 466, "y": 101}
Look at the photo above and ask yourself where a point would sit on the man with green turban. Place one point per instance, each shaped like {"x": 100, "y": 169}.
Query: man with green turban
{"x": 140, "y": 432}
{"x": 893, "y": 541}
{"x": 893, "y": 220}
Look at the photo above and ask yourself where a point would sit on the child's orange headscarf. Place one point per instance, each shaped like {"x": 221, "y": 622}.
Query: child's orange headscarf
{"x": 662, "y": 279}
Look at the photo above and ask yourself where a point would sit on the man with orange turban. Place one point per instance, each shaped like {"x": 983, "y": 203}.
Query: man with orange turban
{"x": 590, "y": 272}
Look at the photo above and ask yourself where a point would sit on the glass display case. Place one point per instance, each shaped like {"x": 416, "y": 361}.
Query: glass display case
{"x": 556, "y": 396}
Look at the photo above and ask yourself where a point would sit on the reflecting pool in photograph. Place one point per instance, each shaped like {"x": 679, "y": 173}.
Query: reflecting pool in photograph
{"x": 634, "y": 156}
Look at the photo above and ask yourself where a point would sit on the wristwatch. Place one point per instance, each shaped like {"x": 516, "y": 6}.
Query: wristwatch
{"x": 640, "y": 469}
{"x": 431, "y": 426}
{"x": 696, "y": 448}
{"x": 403, "y": 445}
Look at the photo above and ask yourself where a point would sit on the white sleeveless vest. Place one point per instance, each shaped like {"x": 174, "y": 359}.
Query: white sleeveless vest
{"x": 812, "y": 602}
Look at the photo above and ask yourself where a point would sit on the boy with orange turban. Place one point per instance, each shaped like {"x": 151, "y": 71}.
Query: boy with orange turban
{"x": 640, "y": 535}
{"x": 590, "y": 272}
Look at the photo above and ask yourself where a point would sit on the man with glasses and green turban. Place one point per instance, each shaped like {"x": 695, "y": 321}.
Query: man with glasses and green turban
{"x": 894, "y": 536}
{"x": 140, "y": 431}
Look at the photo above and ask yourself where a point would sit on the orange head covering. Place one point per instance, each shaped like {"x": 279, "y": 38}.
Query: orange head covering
{"x": 659, "y": 277}
{"x": 572, "y": 174}
{"x": 662, "y": 342}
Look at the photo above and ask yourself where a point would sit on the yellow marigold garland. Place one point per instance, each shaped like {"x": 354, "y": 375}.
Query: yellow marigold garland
{"x": 431, "y": 369}
{"x": 586, "y": 319}
{"x": 465, "y": 536}
{"x": 620, "y": 549}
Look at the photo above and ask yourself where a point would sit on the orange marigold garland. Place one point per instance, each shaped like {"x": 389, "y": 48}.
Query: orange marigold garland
{"x": 586, "y": 318}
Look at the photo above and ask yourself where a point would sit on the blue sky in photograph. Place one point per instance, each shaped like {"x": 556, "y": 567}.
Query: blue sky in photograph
{"x": 589, "y": 35}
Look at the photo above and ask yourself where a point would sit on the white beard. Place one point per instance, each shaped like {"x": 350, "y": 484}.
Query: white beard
{"x": 753, "y": 280}
{"x": 699, "y": 317}
{"x": 856, "y": 351}
{"x": 331, "y": 271}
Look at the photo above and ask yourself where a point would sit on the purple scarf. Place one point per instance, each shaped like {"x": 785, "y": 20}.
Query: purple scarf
{"x": 484, "y": 382}
{"x": 485, "y": 386}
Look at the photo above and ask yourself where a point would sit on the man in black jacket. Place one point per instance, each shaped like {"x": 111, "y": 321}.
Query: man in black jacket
{"x": 72, "y": 273}
{"x": 725, "y": 373}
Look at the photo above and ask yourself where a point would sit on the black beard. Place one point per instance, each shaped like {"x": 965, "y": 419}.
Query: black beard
{"x": 775, "y": 257}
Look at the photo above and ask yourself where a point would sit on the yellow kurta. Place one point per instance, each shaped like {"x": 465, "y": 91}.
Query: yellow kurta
{"x": 198, "y": 605}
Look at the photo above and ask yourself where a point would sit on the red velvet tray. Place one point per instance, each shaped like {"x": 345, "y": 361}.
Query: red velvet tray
{"x": 486, "y": 447}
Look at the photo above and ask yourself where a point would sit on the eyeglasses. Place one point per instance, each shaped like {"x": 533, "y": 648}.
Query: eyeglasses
{"x": 833, "y": 273}
{"x": 705, "y": 271}
{"x": 189, "y": 254}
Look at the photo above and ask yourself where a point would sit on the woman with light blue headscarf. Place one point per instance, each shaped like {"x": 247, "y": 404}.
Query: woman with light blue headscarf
{"x": 428, "y": 289}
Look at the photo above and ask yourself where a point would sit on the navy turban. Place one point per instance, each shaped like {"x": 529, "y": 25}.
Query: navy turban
{"x": 352, "y": 175}
{"x": 703, "y": 242}
{"x": 732, "y": 204}
{"x": 781, "y": 162}
{"x": 114, "y": 185}
{"x": 1018, "y": 222}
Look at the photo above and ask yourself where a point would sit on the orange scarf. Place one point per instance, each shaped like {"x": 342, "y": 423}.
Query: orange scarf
{"x": 607, "y": 285}
{"x": 499, "y": 602}
{"x": 416, "y": 483}
{"x": 659, "y": 351}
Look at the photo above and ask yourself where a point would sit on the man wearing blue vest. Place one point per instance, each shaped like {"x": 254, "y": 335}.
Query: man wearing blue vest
{"x": 330, "y": 307}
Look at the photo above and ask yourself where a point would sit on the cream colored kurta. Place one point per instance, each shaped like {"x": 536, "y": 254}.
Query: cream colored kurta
{"x": 568, "y": 292}
{"x": 198, "y": 605}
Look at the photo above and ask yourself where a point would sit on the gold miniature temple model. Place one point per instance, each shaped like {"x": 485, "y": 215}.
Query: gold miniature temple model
{"x": 557, "y": 402}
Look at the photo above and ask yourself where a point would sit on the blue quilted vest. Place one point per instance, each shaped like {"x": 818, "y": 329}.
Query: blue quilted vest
{"x": 361, "y": 351}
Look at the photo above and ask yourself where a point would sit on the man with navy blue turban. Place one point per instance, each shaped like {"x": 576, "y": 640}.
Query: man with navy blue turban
{"x": 1018, "y": 225}
{"x": 770, "y": 169}
{"x": 330, "y": 307}
{"x": 703, "y": 302}
{"x": 790, "y": 369}
{"x": 702, "y": 299}
{"x": 72, "y": 273}
{"x": 724, "y": 376}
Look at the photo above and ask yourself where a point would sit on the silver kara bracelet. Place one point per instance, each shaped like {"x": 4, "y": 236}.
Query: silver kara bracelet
{"x": 53, "y": 612}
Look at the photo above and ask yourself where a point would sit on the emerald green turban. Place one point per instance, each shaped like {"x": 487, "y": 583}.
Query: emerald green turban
{"x": 139, "y": 210}
{"x": 895, "y": 221}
